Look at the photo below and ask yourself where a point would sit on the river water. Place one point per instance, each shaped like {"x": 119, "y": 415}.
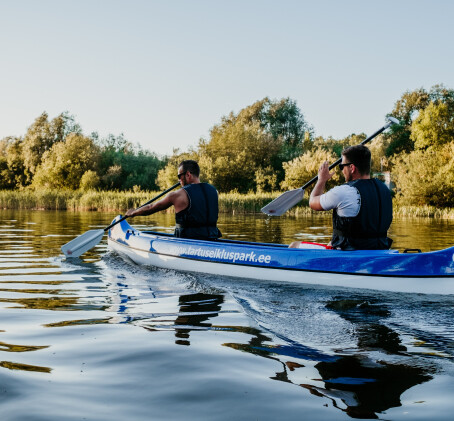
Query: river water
{"x": 100, "y": 338}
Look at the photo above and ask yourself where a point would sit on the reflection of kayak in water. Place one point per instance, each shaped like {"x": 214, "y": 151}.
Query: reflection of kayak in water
{"x": 293, "y": 351}
{"x": 357, "y": 385}
{"x": 389, "y": 270}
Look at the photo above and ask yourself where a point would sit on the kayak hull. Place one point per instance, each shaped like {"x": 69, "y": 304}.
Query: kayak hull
{"x": 426, "y": 273}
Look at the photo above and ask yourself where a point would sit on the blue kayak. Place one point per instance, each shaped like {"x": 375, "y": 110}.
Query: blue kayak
{"x": 389, "y": 270}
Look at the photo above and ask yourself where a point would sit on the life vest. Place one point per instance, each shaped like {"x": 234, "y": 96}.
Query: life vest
{"x": 199, "y": 219}
{"x": 369, "y": 229}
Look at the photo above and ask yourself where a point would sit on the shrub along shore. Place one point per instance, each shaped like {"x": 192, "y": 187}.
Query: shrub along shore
{"x": 109, "y": 201}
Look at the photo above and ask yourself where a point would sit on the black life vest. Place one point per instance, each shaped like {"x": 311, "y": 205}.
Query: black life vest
{"x": 199, "y": 219}
{"x": 369, "y": 229}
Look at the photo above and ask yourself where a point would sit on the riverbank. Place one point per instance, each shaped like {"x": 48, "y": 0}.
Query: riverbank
{"x": 111, "y": 201}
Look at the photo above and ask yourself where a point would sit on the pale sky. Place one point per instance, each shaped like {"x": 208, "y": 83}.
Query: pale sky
{"x": 164, "y": 72}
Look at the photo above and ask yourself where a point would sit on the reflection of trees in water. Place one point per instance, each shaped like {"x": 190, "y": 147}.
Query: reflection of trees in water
{"x": 195, "y": 310}
{"x": 273, "y": 232}
{"x": 357, "y": 385}
{"x": 24, "y": 367}
{"x": 283, "y": 230}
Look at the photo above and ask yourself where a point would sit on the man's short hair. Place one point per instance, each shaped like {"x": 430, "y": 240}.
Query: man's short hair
{"x": 190, "y": 166}
{"x": 360, "y": 156}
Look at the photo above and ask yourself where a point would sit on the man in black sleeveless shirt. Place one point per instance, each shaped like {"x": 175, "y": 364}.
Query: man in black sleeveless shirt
{"x": 196, "y": 205}
{"x": 362, "y": 207}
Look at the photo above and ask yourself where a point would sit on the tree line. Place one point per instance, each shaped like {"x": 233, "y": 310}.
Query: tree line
{"x": 267, "y": 146}
{"x": 55, "y": 154}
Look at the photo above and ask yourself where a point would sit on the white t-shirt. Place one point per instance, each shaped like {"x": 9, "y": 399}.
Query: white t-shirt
{"x": 346, "y": 199}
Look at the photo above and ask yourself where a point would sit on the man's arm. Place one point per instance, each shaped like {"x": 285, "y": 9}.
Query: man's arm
{"x": 179, "y": 199}
{"x": 323, "y": 176}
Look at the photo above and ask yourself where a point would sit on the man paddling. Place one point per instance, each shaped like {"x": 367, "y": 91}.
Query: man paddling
{"x": 196, "y": 205}
{"x": 362, "y": 207}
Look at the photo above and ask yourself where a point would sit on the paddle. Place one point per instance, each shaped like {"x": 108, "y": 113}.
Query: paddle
{"x": 290, "y": 198}
{"x": 88, "y": 240}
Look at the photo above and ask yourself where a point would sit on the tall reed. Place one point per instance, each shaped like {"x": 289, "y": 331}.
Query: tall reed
{"x": 120, "y": 201}
{"x": 424, "y": 211}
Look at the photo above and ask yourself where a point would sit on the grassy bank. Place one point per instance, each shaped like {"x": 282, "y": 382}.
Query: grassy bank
{"x": 423, "y": 212}
{"x": 120, "y": 201}
{"x": 117, "y": 201}
{"x": 253, "y": 202}
{"x": 72, "y": 200}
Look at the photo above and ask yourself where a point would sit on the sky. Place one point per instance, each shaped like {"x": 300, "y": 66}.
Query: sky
{"x": 164, "y": 72}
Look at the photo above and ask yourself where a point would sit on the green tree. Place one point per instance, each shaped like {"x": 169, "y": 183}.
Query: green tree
{"x": 15, "y": 161}
{"x": 64, "y": 164}
{"x": 89, "y": 181}
{"x": 245, "y": 151}
{"x": 42, "y": 135}
{"x": 235, "y": 152}
{"x": 141, "y": 169}
{"x": 407, "y": 109}
{"x": 433, "y": 126}
{"x": 337, "y": 146}
{"x": 124, "y": 165}
{"x": 262, "y": 135}
{"x": 112, "y": 179}
{"x": 426, "y": 177}
{"x": 280, "y": 118}
{"x": 378, "y": 148}
{"x": 4, "y": 143}
{"x": 6, "y": 178}
{"x": 266, "y": 179}
{"x": 303, "y": 168}
{"x": 4, "y": 174}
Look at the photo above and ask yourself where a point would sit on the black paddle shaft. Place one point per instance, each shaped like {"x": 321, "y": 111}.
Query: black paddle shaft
{"x": 145, "y": 204}
{"x": 335, "y": 164}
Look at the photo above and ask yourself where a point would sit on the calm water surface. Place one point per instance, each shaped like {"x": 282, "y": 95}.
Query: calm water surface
{"x": 100, "y": 338}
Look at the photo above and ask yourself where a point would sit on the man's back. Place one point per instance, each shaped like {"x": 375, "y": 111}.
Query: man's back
{"x": 199, "y": 219}
{"x": 368, "y": 229}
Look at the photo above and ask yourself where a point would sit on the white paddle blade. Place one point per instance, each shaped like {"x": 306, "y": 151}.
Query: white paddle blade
{"x": 393, "y": 120}
{"x": 82, "y": 243}
{"x": 283, "y": 203}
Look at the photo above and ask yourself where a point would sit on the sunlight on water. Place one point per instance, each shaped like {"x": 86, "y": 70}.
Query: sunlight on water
{"x": 101, "y": 338}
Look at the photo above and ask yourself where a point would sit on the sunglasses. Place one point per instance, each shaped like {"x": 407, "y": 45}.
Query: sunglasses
{"x": 181, "y": 175}
{"x": 341, "y": 166}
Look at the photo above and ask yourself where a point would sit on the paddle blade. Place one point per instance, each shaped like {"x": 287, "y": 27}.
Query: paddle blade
{"x": 283, "y": 203}
{"x": 82, "y": 243}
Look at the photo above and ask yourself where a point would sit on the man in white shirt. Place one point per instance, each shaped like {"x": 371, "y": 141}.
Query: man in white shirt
{"x": 362, "y": 207}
